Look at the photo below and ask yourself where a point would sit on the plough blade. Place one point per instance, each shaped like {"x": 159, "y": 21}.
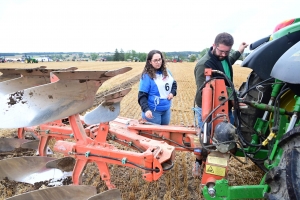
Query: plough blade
{"x": 72, "y": 93}
{"x": 107, "y": 110}
{"x": 65, "y": 164}
{"x": 29, "y": 78}
{"x": 74, "y": 192}
{"x": 28, "y": 169}
{"x": 31, "y": 144}
{"x": 8, "y": 74}
{"x": 10, "y": 144}
{"x": 113, "y": 194}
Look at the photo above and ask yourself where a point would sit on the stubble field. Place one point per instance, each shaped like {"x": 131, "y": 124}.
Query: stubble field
{"x": 178, "y": 183}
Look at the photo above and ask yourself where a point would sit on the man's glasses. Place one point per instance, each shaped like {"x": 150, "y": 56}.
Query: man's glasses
{"x": 223, "y": 52}
{"x": 156, "y": 60}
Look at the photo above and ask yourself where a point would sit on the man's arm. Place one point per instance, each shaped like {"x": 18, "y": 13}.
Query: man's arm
{"x": 199, "y": 74}
{"x": 200, "y": 79}
{"x": 234, "y": 56}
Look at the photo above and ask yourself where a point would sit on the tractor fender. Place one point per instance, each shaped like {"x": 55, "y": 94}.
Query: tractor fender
{"x": 287, "y": 67}
{"x": 263, "y": 58}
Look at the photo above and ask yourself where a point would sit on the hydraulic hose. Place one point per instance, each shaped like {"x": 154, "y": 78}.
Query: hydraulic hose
{"x": 236, "y": 109}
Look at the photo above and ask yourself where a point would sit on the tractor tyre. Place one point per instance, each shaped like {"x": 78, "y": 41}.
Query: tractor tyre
{"x": 284, "y": 180}
{"x": 250, "y": 114}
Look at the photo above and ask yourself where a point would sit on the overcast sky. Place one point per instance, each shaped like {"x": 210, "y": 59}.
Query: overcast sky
{"x": 140, "y": 25}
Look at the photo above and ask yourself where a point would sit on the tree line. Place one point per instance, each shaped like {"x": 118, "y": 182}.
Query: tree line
{"x": 134, "y": 56}
{"x": 120, "y": 55}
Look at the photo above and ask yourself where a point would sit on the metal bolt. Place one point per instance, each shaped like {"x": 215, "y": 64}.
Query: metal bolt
{"x": 87, "y": 154}
{"x": 211, "y": 191}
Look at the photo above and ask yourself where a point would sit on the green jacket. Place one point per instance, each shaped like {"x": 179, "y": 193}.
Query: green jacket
{"x": 211, "y": 61}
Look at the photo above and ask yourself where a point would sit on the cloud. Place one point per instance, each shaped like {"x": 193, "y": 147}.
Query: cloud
{"x": 179, "y": 25}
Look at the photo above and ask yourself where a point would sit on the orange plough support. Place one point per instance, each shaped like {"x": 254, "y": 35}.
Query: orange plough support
{"x": 85, "y": 150}
{"x": 155, "y": 144}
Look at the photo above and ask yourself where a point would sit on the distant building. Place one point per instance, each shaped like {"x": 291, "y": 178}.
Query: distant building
{"x": 44, "y": 59}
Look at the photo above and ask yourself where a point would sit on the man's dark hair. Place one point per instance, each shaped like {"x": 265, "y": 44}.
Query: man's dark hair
{"x": 224, "y": 38}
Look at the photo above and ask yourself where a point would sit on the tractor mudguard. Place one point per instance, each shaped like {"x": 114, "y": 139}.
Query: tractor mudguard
{"x": 287, "y": 68}
{"x": 259, "y": 42}
{"x": 263, "y": 58}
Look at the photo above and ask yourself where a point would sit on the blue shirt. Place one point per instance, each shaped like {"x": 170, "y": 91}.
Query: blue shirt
{"x": 157, "y": 101}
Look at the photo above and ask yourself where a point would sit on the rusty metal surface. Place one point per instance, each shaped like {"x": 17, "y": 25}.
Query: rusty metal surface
{"x": 107, "y": 110}
{"x": 113, "y": 194}
{"x": 74, "y": 192}
{"x": 73, "y": 93}
{"x": 28, "y": 169}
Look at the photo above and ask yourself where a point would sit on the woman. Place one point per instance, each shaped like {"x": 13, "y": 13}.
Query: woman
{"x": 157, "y": 89}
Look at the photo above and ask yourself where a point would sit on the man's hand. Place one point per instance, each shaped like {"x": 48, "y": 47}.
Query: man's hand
{"x": 242, "y": 47}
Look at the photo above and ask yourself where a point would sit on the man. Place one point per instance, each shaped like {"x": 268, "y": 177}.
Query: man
{"x": 217, "y": 58}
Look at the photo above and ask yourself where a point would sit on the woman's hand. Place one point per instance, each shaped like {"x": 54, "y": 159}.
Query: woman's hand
{"x": 148, "y": 114}
{"x": 170, "y": 96}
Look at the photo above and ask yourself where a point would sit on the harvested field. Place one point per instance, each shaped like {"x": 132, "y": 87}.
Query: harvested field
{"x": 178, "y": 183}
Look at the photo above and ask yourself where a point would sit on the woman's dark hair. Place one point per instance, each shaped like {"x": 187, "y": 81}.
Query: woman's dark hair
{"x": 150, "y": 70}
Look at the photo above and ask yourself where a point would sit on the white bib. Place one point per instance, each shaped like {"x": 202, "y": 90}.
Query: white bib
{"x": 164, "y": 85}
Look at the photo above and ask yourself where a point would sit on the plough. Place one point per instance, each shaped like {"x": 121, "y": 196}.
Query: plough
{"x": 83, "y": 139}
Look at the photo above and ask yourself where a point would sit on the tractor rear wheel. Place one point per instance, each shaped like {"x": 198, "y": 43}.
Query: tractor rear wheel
{"x": 284, "y": 180}
{"x": 250, "y": 114}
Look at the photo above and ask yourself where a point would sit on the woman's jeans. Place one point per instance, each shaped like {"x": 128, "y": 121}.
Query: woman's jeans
{"x": 159, "y": 117}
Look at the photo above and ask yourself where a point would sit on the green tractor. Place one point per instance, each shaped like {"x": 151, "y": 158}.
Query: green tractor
{"x": 268, "y": 131}
{"x": 29, "y": 59}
